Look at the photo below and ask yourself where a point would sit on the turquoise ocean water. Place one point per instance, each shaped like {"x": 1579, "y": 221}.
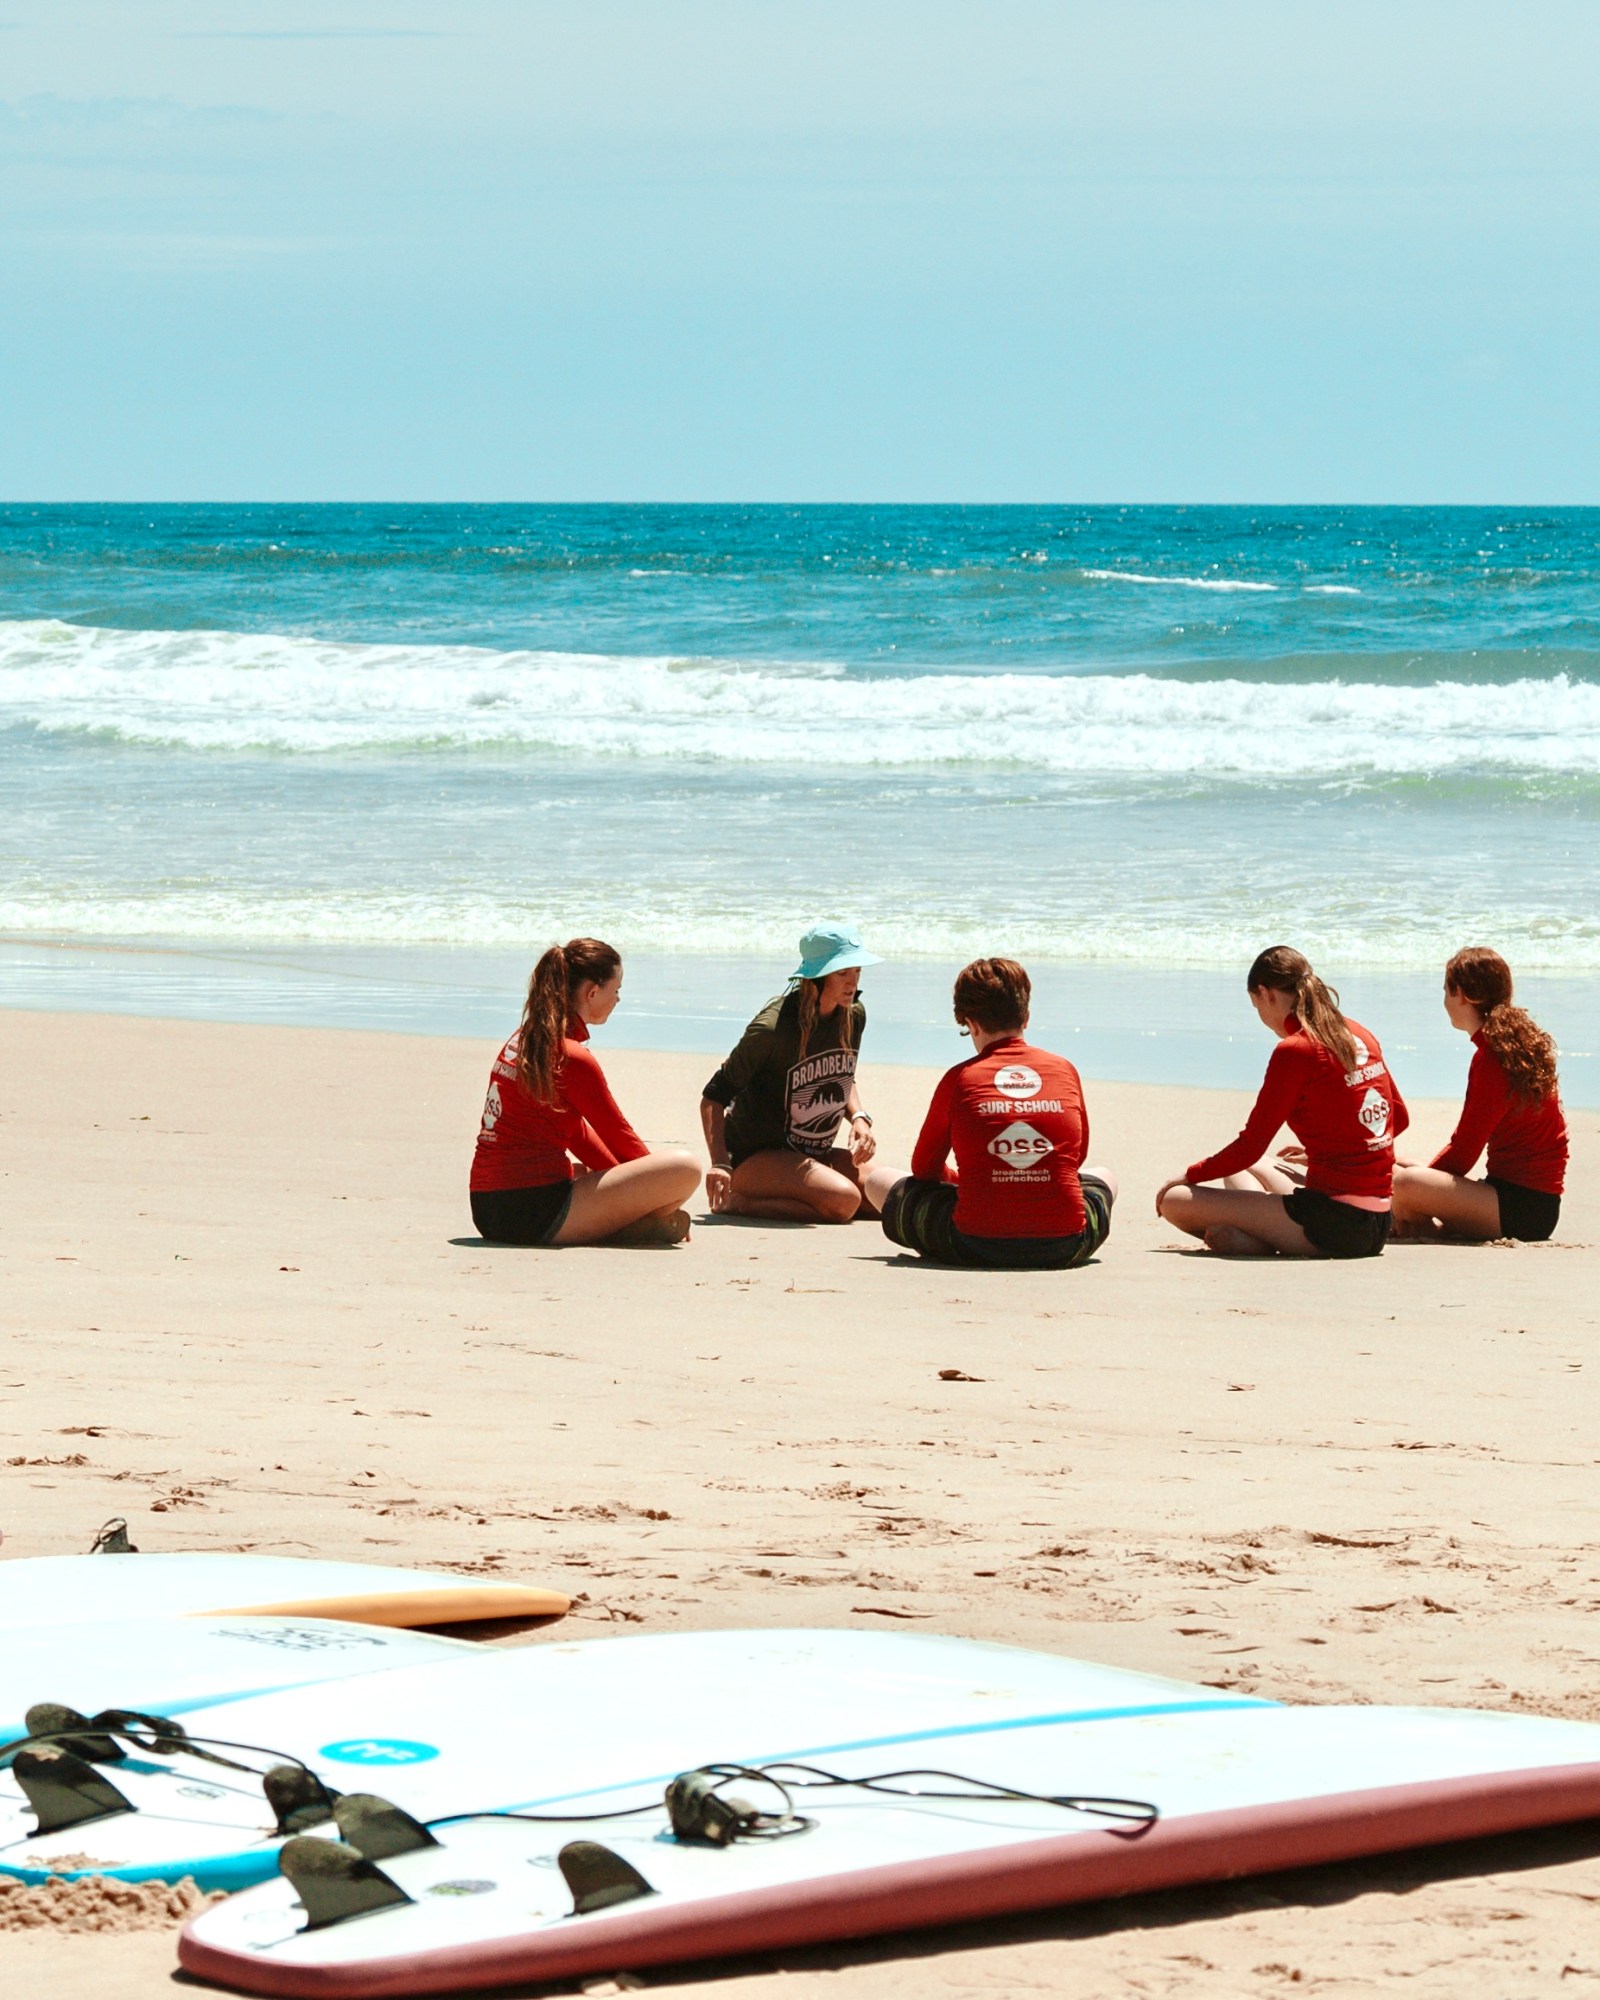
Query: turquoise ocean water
{"x": 358, "y": 764}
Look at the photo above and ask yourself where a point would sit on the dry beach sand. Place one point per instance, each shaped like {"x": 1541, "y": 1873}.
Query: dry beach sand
{"x": 243, "y": 1307}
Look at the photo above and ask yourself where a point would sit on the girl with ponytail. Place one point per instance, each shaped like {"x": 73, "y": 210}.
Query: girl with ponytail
{"x": 1512, "y": 1108}
{"x": 1328, "y": 1082}
{"x": 548, "y": 1101}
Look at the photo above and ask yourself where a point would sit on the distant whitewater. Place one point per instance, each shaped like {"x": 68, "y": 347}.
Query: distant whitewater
{"x": 1138, "y": 735}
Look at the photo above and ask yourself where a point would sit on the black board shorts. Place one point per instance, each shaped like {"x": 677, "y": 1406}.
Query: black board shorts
{"x": 1335, "y": 1228}
{"x": 1526, "y": 1213}
{"x": 921, "y": 1216}
{"x": 521, "y": 1215}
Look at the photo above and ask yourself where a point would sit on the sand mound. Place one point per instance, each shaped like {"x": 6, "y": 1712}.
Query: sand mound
{"x": 95, "y": 1903}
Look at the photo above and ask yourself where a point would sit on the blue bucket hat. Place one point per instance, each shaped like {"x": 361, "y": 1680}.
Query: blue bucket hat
{"x": 831, "y": 948}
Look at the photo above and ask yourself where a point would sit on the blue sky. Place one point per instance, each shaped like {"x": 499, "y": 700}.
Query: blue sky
{"x": 1231, "y": 250}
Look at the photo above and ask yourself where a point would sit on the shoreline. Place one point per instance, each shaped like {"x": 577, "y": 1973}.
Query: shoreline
{"x": 1184, "y": 1026}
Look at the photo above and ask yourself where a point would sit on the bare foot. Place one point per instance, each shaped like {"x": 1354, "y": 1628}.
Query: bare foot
{"x": 1224, "y": 1240}
{"x": 1417, "y": 1229}
{"x": 655, "y": 1230}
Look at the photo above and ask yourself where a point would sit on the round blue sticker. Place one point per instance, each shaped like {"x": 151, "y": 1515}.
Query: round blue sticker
{"x": 378, "y": 1750}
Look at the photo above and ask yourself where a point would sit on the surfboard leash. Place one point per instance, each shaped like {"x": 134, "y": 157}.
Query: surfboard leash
{"x": 702, "y": 1812}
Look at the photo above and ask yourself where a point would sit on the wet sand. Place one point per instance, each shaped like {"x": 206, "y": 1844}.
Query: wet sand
{"x": 245, "y": 1308}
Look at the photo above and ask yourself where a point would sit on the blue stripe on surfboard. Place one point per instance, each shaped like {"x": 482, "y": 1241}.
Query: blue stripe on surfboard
{"x": 242, "y": 1869}
{"x": 1064, "y": 1718}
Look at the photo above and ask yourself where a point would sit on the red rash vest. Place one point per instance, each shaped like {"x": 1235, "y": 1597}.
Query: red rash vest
{"x": 1527, "y": 1142}
{"x": 524, "y": 1144}
{"x": 1015, "y": 1119}
{"x": 1347, "y": 1121}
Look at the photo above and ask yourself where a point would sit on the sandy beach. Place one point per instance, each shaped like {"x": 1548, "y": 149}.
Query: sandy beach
{"x": 245, "y": 1308}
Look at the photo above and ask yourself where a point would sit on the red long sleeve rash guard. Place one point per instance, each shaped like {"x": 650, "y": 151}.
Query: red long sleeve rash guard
{"x": 524, "y": 1144}
{"x": 1016, "y": 1121}
{"x": 1347, "y": 1121}
{"x": 1527, "y": 1142}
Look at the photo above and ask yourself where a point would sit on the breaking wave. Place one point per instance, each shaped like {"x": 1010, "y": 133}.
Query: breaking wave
{"x": 228, "y": 692}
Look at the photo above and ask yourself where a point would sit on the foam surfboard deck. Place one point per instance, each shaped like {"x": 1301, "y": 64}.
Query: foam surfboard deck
{"x": 169, "y": 1666}
{"x": 1242, "y": 1790}
{"x": 62, "y": 1590}
{"x": 541, "y": 1725}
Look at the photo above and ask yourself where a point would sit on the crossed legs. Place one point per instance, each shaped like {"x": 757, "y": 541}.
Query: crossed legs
{"x": 1428, "y": 1203}
{"x": 784, "y": 1186}
{"x": 639, "y": 1201}
{"x": 1245, "y": 1217}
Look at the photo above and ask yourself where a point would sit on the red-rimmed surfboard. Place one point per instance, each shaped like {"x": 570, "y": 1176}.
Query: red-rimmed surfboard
{"x": 1240, "y": 1788}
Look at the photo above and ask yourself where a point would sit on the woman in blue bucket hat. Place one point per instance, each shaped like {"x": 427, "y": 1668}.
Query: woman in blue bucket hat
{"x": 772, "y": 1112}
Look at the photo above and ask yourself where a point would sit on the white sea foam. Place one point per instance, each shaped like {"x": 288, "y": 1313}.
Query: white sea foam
{"x": 763, "y": 923}
{"x": 1178, "y": 582}
{"x": 1331, "y": 590}
{"x": 219, "y": 691}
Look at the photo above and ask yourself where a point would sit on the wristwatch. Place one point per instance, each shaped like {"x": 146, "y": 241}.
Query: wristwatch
{"x": 865, "y": 1117}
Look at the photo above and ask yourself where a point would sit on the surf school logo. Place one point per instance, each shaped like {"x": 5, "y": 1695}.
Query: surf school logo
{"x": 379, "y": 1750}
{"x": 1021, "y": 1147}
{"x": 1017, "y": 1080}
{"x": 1374, "y": 1114}
{"x": 491, "y": 1108}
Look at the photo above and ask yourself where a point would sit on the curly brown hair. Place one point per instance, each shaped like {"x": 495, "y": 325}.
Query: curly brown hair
{"x": 1510, "y": 1034}
{"x": 541, "y": 1039}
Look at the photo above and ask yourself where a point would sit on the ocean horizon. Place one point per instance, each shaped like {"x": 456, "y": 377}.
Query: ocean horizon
{"x": 1132, "y": 743}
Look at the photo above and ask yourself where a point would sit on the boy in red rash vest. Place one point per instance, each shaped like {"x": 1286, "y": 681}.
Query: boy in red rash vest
{"x": 1328, "y": 1082}
{"x": 1513, "y": 1108}
{"x": 547, "y": 1103}
{"x": 1019, "y": 1196}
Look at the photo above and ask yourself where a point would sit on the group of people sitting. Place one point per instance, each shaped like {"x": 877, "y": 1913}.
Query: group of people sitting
{"x": 1000, "y": 1175}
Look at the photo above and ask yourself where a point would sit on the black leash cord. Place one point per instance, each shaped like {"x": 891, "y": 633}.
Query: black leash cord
{"x": 547, "y": 1819}
{"x": 157, "y": 1736}
{"x": 812, "y": 1778}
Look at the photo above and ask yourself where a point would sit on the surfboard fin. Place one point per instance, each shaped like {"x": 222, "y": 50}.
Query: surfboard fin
{"x": 598, "y": 1877}
{"x": 298, "y": 1798}
{"x": 64, "y": 1791}
{"x": 376, "y": 1829}
{"x": 112, "y": 1539}
{"x": 334, "y": 1882}
{"x": 53, "y": 1718}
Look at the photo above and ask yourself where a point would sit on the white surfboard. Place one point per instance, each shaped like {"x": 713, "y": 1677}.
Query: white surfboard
{"x": 169, "y": 1666}
{"x": 1238, "y": 1791}
{"x": 62, "y": 1590}
{"x": 540, "y": 1725}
